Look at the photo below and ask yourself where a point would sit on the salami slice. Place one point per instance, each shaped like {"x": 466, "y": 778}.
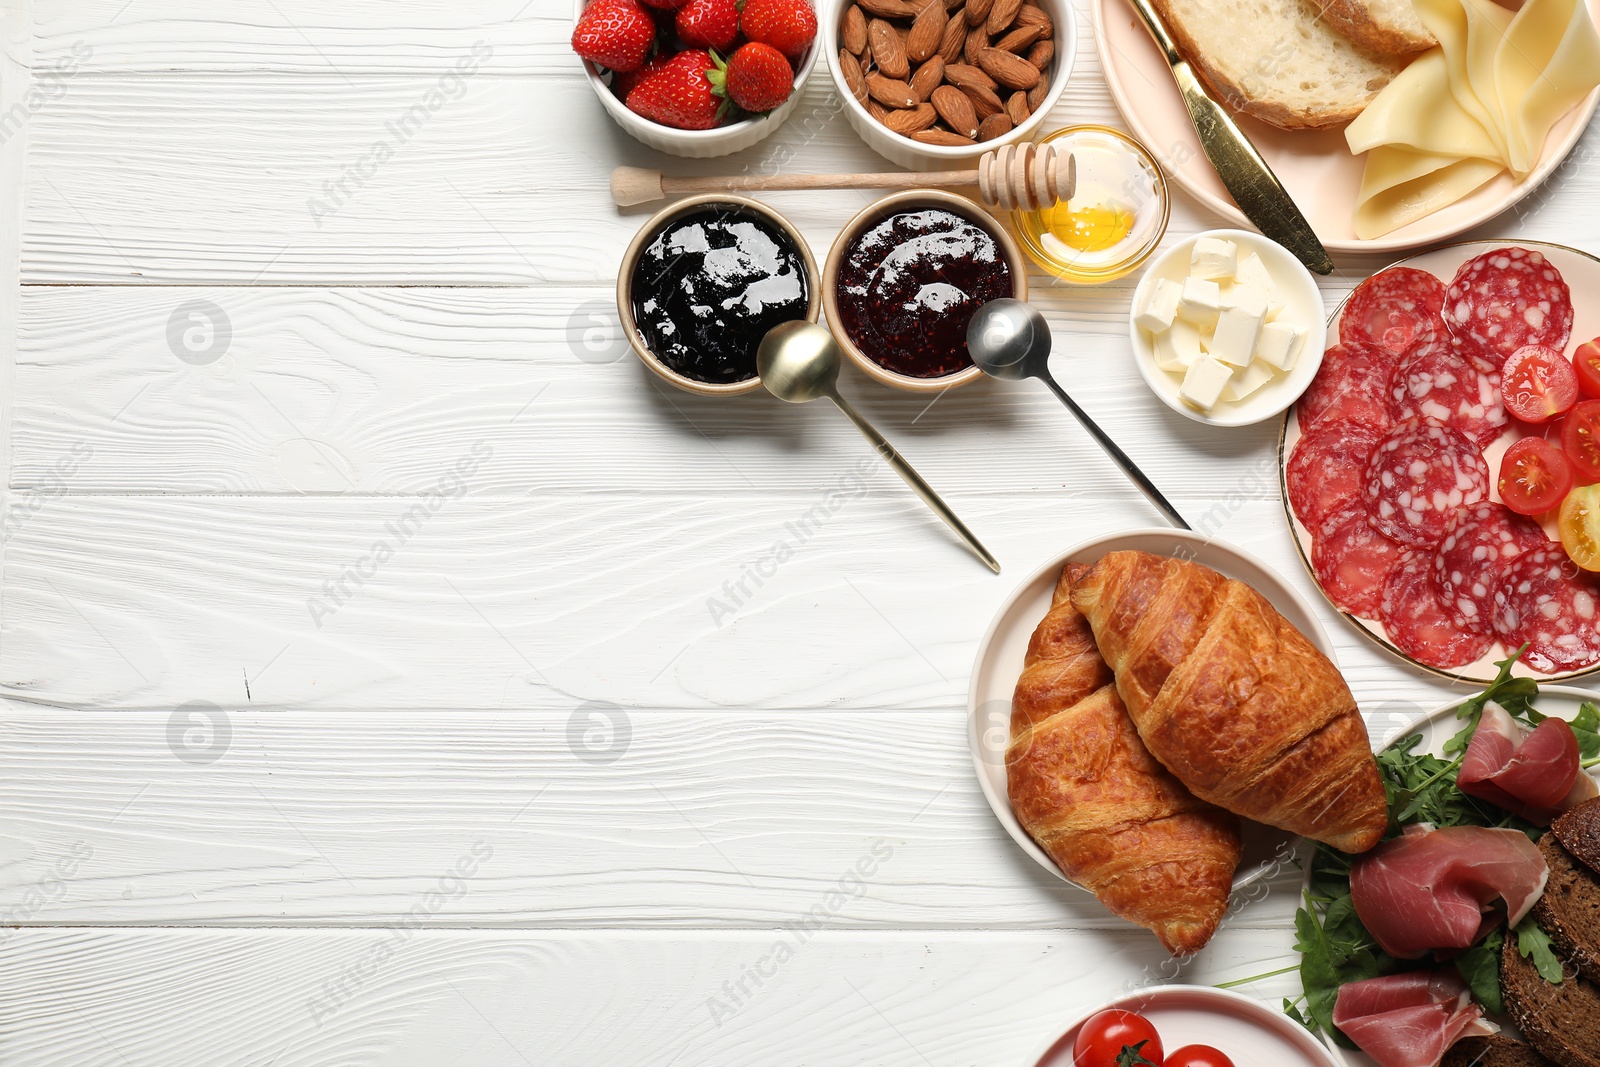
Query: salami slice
{"x": 1547, "y": 602}
{"x": 1393, "y": 310}
{"x": 1418, "y": 621}
{"x": 1507, "y": 298}
{"x": 1418, "y": 477}
{"x": 1480, "y": 541}
{"x": 1350, "y": 386}
{"x": 1326, "y": 471}
{"x": 1435, "y": 383}
{"x": 1351, "y": 561}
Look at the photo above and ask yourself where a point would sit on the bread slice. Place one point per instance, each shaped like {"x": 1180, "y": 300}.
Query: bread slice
{"x": 1277, "y": 60}
{"x": 1495, "y": 1050}
{"x": 1561, "y": 1021}
{"x": 1387, "y": 27}
{"x": 1578, "y": 830}
{"x": 1569, "y": 911}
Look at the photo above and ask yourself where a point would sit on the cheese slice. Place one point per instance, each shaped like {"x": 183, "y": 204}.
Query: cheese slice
{"x": 1400, "y": 186}
{"x": 1419, "y": 111}
{"x": 1548, "y": 61}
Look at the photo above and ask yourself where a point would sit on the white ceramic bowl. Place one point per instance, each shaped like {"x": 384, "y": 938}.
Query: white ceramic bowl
{"x": 915, "y": 155}
{"x": 698, "y": 144}
{"x": 999, "y": 663}
{"x": 1302, "y": 302}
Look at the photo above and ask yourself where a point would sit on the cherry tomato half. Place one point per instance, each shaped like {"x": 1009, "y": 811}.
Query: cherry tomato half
{"x": 1534, "y": 476}
{"x": 1586, "y": 362}
{"x": 1580, "y": 526}
{"x": 1197, "y": 1056}
{"x": 1116, "y": 1038}
{"x": 1539, "y": 383}
{"x": 1580, "y": 440}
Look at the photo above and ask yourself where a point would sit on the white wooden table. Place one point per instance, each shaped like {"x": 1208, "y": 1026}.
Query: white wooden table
{"x": 506, "y": 789}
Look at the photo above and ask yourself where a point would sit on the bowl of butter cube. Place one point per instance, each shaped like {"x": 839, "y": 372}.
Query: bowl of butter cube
{"x": 1227, "y": 328}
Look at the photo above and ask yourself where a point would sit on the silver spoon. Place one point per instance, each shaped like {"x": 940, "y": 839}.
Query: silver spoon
{"x": 1010, "y": 340}
{"x": 799, "y": 362}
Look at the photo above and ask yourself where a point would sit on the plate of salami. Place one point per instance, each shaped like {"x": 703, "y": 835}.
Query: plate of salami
{"x": 1391, "y": 464}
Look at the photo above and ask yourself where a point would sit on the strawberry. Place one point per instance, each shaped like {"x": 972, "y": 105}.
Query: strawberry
{"x": 757, "y": 77}
{"x": 666, "y": 5}
{"x": 679, "y": 94}
{"x": 709, "y": 23}
{"x": 787, "y": 25}
{"x": 615, "y": 33}
{"x": 624, "y": 83}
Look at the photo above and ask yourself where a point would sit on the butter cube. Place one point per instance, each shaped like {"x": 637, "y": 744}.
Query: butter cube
{"x": 1207, "y": 337}
{"x": 1253, "y": 272}
{"x": 1279, "y": 344}
{"x": 1235, "y": 340}
{"x": 1178, "y": 347}
{"x": 1204, "y": 382}
{"x": 1200, "y": 302}
{"x": 1248, "y": 381}
{"x": 1213, "y": 258}
{"x": 1246, "y": 297}
{"x": 1161, "y": 306}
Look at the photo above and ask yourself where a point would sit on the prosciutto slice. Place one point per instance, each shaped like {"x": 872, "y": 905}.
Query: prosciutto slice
{"x": 1432, "y": 890}
{"x": 1411, "y": 1019}
{"x": 1536, "y": 775}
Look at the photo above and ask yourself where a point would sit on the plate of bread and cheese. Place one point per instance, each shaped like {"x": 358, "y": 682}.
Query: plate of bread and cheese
{"x": 1391, "y": 124}
{"x": 1156, "y": 717}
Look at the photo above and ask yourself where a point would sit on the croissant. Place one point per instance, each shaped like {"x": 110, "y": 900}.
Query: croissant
{"x": 1083, "y": 785}
{"x": 1232, "y": 699}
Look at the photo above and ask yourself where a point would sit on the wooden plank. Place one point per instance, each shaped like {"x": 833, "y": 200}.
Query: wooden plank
{"x": 544, "y": 602}
{"x": 593, "y": 817}
{"x": 180, "y": 997}
{"x": 381, "y": 390}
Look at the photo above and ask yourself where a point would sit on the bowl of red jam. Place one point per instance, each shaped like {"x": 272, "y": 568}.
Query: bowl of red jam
{"x": 903, "y": 280}
{"x": 701, "y": 284}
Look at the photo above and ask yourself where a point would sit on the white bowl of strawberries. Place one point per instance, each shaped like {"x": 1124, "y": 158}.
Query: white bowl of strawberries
{"x": 697, "y": 78}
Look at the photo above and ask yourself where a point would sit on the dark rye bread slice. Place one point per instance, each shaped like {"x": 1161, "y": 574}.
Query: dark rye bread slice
{"x": 1496, "y": 1050}
{"x": 1561, "y": 1021}
{"x": 1578, "y": 831}
{"x": 1569, "y": 911}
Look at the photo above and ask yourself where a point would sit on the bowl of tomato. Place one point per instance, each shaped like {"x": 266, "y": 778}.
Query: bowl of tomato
{"x": 1183, "y": 1026}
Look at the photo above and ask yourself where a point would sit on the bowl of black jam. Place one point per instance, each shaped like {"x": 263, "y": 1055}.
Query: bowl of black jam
{"x": 903, "y": 280}
{"x": 703, "y": 282}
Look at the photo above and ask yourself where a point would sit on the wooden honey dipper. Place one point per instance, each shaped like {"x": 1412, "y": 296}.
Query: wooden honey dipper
{"x": 1028, "y": 176}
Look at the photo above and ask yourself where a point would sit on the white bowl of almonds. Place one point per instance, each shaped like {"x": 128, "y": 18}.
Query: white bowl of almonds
{"x": 931, "y": 84}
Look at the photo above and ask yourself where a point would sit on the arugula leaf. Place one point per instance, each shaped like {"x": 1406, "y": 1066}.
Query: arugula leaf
{"x": 1533, "y": 943}
{"x": 1587, "y": 728}
{"x": 1514, "y": 694}
{"x": 1480, "y": 968}
{"x": 1293, "y": 1012}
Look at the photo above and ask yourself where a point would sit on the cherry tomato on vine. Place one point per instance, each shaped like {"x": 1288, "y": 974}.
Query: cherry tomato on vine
{"x": 1116, "y": 1038}
{"x": 1580, "y": 440}
{"x": 1586, "y": 361}
{"x": 1197, "y": 1056}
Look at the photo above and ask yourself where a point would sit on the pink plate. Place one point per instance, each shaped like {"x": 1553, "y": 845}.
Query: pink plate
{"x": 1250, "y": 1033}
{"x": 1582, "y": 274}
{"x": 1315, "y": 165}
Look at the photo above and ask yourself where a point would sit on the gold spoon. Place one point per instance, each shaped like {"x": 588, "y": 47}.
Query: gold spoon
{"x": 798, "y": 363}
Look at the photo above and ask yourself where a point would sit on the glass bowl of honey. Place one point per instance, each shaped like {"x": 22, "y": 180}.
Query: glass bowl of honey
{"x": 1117, "y": 214}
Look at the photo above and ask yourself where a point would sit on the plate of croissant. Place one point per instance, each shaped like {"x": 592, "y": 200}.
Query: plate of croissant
{"x": 1156, "y": 717}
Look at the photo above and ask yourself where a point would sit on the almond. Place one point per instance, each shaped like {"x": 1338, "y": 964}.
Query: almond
{"x": 1017, "y": 107}
{"x": 976, "y": 41}
{"x": 908, "y": 121}
{"x": 866, "y": 61}
{"x": 978, "y": 11}
{"x": 1037, "y": 94}
{"x": 888, "y": 49}
{"x": 952, "y": 6}
{"x": 1001, "y": 15}
{"x": 1020, "y": 38}
{"x": 942, "y": 137}
{"x": 994, "y": 126}
{"x": 852, "y": 76}
{"x": 890, "y": 9}
{"x": 853, "y": 33}
{"x": 983, "y": 100}
{"x": 1029, "y": 15}
{"x": 956, "y": 109}
{"x": 1011, "y": 71}
{"x": 1041, "y": 54}
{"x": 928, "y": 77}
{"x": 927, "y": 33}
{"x": 962, "y": 75}
{"x": 877, "y": 110}
{"x": 890, "y": 92}
{"x": 955, "y": 35}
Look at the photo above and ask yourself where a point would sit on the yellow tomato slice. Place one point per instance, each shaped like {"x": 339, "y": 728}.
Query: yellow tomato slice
{"x": 1580, "y": 526}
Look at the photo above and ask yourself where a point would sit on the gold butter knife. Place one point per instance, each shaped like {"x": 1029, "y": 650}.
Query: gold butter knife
{"x": 1257, "y": 191}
